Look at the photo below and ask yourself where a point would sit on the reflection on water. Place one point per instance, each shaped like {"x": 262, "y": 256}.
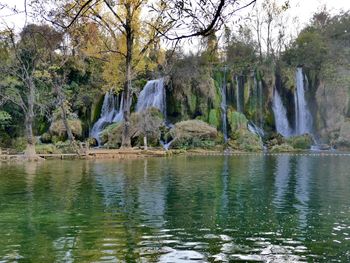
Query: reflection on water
{"x": 186, "y": 209}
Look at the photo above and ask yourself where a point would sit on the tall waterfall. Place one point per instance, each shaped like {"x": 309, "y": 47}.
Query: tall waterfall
{"x": 224, "y": 107}
{"x": 238, "y": 95}
{"x": 259, "y": 102}
{"x": 152, "y": 95}
{"x": 281, "y": 120}
{"x": 109, "y": 114}
{"x": 303, "y": 117}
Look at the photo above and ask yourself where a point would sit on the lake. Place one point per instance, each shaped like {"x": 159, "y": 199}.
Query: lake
{"x": 257, "y": 208}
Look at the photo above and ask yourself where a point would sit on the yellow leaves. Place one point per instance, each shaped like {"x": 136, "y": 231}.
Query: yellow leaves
{"x": 114, "y": 73}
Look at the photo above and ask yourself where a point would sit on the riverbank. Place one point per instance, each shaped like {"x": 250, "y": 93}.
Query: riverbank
{"x": 140, "y": 153}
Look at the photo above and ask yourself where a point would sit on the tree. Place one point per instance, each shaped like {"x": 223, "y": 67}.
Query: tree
{"x": 131, "y": 35}
{"x": 27, "y": 56}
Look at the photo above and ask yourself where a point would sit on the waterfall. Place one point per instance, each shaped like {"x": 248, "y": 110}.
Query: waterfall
{"x": 258, "y": 99}
{"x": 260, "y": 104}
{"x": 109, "y": 114}
{"x": 303, "y": 118}
{"x": 238, "y": 95}
{"x": 280, "y": 113}
{"x": 152, "y": 95}
{"x": 119, "y": 116}
{"x": 224, "y": 107}
{"x": 255, "y": 129}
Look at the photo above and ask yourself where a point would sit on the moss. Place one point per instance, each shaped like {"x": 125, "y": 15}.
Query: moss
{"x": 96, "y": 109}
{"x": 302, "y": 142}
{"x": 112, "y": 135}
{"x": 64, "y": 147}
{"x": 192, "y": 101}
{"x": 46, "y": 148}
{"x": 214, "y": 117}
{"x": 57, "y": 127}
{"x": 282, "y": 148}
{"x": 236, "y": 120}
{"x": 193, "y": 133}
{"x": 243, "y": 140}
{"x": 19, "y": 144}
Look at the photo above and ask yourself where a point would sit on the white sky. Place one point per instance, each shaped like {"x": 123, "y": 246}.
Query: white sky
{"x": 303, "y": 9}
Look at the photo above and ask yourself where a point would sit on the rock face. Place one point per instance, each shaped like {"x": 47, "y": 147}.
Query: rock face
{"x": 343, "y": 142}
{"x": 332, "y": 99}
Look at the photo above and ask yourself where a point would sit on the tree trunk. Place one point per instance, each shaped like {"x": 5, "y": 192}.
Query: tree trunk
{"x": 145, "y": 142}
{"x": 126, "y": 136}
{"x": 66, "y": 124}
{"x": 30, "y": 150}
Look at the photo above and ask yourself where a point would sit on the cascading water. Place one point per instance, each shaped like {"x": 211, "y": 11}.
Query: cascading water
{"x": 152, "y": 95}
{"x": 109, "y": 114}
{"x": 258, "y": 99}
{"x": 280, "y": 113}
{"x": 238, "y": 95}
{"x": 119, "y": 116}
{"x": 224, "y": 107}
{"x": 260, "y": 104}
{"x": 303, "y": 117}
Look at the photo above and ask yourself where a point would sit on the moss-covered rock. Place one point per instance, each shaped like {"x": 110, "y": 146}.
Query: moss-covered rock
{"x": 244, "y": 140}
{"x": 214, "y": 118}
{"x": 193, "y": 133}
{"x": 302, "y": 142}
{"x": 236, "y": 120}
{"x": 57, "y": 128}
{"x": 282, "y": 148}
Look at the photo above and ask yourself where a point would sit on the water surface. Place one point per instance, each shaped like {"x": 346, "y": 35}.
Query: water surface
{"x": 183, "y": 209}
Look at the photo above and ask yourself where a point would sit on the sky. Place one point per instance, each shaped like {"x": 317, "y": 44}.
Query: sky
{"x": 303, "y": 9}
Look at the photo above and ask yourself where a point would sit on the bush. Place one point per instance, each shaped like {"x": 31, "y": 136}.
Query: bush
{"x": 302, "y": 142}
{"x": 57, "y": 128}
{"x": 19, "y": 144}
{"x": 244, "y": 140}
{"x": 282, "y": 148}
{"x": 46, "y": 148}
{"x": 46, "y": 138}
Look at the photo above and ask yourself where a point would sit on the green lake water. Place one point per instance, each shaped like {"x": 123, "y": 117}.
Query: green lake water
{"x": 182, "y": 209}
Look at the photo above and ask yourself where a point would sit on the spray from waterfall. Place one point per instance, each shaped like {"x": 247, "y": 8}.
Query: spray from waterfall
{"x": 238, "y": 95}
{"x": 224, "y": 106}
{"x": 152, "y": 95}
{"x": 303, "y": 117}
{"x": 280, "y": 113}
{"x": 110, "y": 112}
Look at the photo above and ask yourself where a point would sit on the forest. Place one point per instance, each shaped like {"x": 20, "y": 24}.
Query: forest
{"x": 174, "y": 75}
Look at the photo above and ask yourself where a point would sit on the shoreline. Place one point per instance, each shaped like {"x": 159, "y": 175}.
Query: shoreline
{"x": 98, "y": 154}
